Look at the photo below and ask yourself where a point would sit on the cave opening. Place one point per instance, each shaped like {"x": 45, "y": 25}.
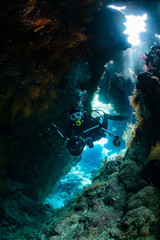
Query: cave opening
{"x": 124, "y": 69}
{"x": 91, "y": 160}
{"x": 60, "y": 54}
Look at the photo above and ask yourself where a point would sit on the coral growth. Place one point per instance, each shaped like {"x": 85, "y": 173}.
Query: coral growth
{"x": 135, "y": 103}
{"x": 155, "y": 152}
{"x": 129, "y": 134}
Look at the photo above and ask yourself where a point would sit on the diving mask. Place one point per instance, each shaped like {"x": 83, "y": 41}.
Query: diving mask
{"x": 76, "y": 116}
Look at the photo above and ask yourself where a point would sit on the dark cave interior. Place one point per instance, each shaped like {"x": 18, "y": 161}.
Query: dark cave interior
{"x": 53, "y": 56}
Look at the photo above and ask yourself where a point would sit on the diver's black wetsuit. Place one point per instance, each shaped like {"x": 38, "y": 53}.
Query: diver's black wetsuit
{"x": 84, "y": 130}
{"x": 87, "y": 122}
{"x": 90, "y": 130}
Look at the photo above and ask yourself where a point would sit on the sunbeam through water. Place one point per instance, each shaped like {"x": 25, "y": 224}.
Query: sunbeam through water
{"x": 81, "y": 175}
{"x": 135, "y": 25}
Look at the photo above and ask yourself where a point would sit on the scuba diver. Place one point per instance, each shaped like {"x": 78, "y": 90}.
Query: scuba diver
{"x": 84, "y": 129}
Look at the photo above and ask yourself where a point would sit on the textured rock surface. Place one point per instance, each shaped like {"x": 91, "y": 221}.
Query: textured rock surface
{"x": 109, "y": 210}
{"x": 123, "y": 202}
{"x": 52, "y": 58}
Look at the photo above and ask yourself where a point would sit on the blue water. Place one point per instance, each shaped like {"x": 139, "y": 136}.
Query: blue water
{"x": 82, "y": 174}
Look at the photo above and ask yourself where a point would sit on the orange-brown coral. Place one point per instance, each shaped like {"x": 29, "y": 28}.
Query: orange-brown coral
{"x": 46, "y": 36}
{"x": 155, "y": 152}
{"x": 136, "y": 106}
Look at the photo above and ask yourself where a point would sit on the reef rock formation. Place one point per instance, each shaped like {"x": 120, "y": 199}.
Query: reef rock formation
{"x": 52, "y": 56}
{"x": 51, "y": 59}
{"x": 115, "y": 206}
{"x": 123, "y": 202}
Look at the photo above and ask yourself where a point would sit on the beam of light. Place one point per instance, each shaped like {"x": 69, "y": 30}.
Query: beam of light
{"x": 135, "y": 25}
{"x": 97, "y": 105}
{"x": 157, "y": 36}
{"x": 109, "y": 63}
{"x": 101, "y": 142}
{"x": 117, "y": 8}
{"x": 105, "y": 152}
{"x": 112, "y": 157}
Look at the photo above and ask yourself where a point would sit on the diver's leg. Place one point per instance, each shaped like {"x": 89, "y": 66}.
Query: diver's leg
{"x": 90, "y": 142}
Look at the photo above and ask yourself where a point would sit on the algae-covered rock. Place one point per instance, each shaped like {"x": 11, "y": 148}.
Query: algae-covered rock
{"x": 18, "y": 211}
{"x": 129, "y": 176}
{"x": 140, "y": 220}
{"x": 148, "y": 197}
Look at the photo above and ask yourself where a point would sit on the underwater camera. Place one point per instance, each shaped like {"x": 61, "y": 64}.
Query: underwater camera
{"x": 116, "y": 142}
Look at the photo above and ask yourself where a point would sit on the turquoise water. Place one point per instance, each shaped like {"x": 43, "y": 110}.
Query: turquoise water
{"x": 81, "y": 175}
{"x": 126, "y": 66}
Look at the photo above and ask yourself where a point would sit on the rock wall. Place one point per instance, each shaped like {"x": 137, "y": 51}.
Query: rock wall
{"x": 52, "y": 56}
{"x": 118, "y": 205}
{"x": 123, "y": 202}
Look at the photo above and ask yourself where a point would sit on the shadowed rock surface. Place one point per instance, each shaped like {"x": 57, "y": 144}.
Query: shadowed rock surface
{"x": 52, "y": 57}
